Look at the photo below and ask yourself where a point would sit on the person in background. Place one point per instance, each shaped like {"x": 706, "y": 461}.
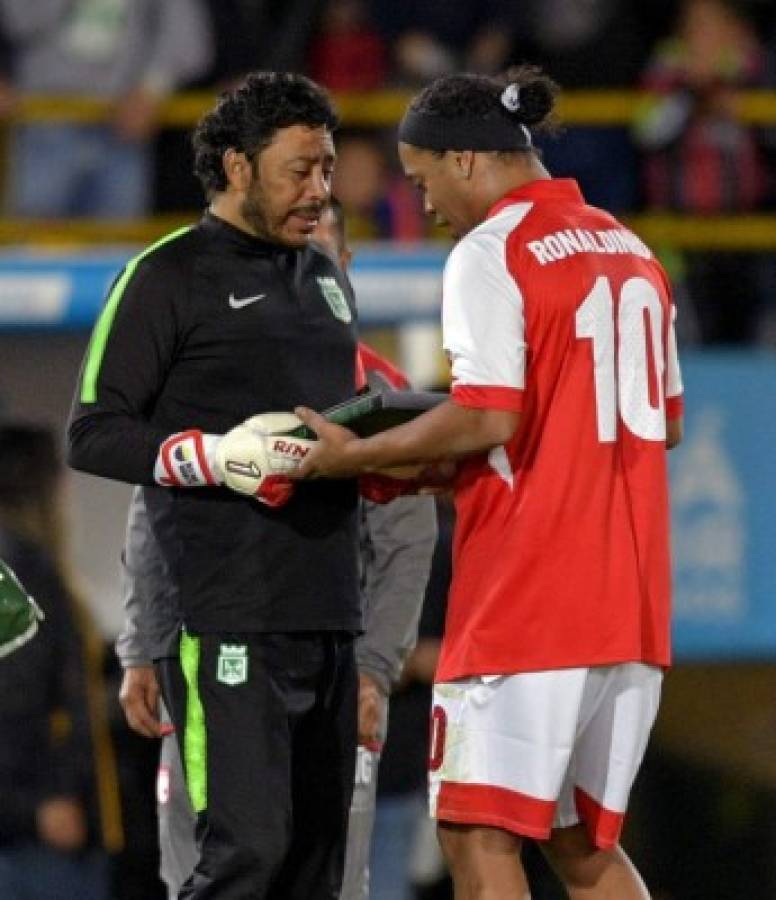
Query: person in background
{"x": 348, "y": 53}
{"x": 132, "y": 53}
{"x": 59, "y": 812}
{"x": 401, "y": 820}
{"x": 433, "y": 37}
{"x": 397, "y": 541}
{"x": 592, "y": 45}
{"x": 378, "y": 203}
{"x": 700, "y": 159}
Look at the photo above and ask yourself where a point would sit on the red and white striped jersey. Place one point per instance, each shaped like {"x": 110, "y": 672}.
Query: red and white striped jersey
{"x": 561, "y": 554}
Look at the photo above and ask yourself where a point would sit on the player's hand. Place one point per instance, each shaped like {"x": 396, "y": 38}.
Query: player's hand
{"x": 139, "y": 698}
{"x": 61, "y": 824}
{"x": 256, "y": 457}
{"x": 386, "y": 485}
{"x": 328, "y": 457}
{"x": 371, "y": 712}
{"x": 438, "y": 478}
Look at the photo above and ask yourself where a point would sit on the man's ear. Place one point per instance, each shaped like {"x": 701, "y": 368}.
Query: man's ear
{"x": 464, "y": 163}
{"x": 237, "y": 168}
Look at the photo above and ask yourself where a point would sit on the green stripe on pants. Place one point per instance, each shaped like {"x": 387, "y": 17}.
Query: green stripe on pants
{"x": 194, "y": 738}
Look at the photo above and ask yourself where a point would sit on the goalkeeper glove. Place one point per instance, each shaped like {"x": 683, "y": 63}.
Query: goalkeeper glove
{"x": 19, "y": 613}
{"x": 253, "y": 458}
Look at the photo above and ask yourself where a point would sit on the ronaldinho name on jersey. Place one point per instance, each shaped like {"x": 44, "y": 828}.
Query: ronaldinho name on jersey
{"x": 561, "y": 244}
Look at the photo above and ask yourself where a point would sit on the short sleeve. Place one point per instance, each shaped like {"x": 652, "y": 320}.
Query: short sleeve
{"x": 483, "y": 325}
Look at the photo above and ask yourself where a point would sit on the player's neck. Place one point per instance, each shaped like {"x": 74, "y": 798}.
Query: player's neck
{"x": 514, "y": 177}
{"x": 504, "y": 179}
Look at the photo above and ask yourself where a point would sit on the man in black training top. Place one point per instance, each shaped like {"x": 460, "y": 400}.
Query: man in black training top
{"x": 237, "y": 316}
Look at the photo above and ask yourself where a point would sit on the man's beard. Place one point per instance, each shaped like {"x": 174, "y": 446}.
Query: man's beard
{"x": 253, "y": 211}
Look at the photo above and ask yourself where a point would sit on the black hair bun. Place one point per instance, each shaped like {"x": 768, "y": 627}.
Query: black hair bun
{"x": 536, "y": 102}
{"x": 529, "y": 94}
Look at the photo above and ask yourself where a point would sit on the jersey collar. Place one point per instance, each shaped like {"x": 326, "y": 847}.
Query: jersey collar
{"x": 544, "y": 190}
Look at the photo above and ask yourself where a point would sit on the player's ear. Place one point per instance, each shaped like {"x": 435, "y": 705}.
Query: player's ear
{"x": 237, "y": 168}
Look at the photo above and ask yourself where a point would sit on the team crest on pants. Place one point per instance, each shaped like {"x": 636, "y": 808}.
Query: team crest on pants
{"x": 332, "y": 292}
{"x": 232, "y": 664}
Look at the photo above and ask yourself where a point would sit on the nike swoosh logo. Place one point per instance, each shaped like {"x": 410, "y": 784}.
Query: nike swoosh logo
{"x": 244, "y": 301}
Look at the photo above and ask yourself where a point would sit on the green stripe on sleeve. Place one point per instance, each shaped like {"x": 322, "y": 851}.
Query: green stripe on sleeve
{"x": 195, "y": 737}
{"x": 104, "y": 324}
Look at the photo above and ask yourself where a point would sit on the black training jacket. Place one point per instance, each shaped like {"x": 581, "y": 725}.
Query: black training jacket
{"x": 205, "y": 328}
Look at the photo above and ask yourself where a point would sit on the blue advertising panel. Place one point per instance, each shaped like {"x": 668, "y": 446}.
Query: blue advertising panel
{"x": 49, "y": 290}
{"x": 723, "y": 491}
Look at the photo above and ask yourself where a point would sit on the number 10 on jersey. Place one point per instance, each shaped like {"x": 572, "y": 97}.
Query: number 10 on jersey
{"x": 628, "y": 360}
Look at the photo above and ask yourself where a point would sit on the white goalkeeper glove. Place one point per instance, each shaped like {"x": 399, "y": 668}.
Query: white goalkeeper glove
{"x": 253, "y": 458}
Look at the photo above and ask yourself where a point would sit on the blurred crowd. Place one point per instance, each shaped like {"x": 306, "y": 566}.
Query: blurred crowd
{"x": 687, "y": 151}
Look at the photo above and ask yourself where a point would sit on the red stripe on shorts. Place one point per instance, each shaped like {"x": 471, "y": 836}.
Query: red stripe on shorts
{"x": 484, "y": 804}
{"x": 603, "y": 825}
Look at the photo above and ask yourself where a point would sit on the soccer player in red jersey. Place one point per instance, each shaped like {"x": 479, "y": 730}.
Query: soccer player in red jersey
{"x": 566, "y": 394}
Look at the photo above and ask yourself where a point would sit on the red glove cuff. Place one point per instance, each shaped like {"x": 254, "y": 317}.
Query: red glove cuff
{"x": 275, "y": 491}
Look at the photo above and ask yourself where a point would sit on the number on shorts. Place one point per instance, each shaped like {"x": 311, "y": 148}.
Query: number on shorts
{"x": 437, "y": 741}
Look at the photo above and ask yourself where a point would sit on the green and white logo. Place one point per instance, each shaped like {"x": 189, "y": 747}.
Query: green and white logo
{"x": 232, "y": 664}
{"x": 332, "y": 292}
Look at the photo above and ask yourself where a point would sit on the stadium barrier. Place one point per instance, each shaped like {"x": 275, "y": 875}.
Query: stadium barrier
{"x": 383, "y": 109}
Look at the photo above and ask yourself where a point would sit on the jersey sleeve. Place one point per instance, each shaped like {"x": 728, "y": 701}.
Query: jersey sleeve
{"x": 398, "y": 547}
{"x": 483, "y": 326}
{"x": 129, "y": 355}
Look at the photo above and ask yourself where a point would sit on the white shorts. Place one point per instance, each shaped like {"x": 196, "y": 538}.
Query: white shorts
{"x": 542, "y": 750}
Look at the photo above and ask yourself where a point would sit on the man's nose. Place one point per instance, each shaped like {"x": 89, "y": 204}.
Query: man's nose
{"x": 319, "y": 186}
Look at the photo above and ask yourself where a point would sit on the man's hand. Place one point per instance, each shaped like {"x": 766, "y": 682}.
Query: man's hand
{"x": 61, "y": 824}
{"x": 139, "y": 698}
{"x": 328, "y": 455}
{"x": 371, "y": 712}
{"x": 256, "y": 457}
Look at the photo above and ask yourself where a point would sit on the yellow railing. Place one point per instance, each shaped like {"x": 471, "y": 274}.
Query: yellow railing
{"x": 755, "y": 233}
{"x": 385, "y": 108}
